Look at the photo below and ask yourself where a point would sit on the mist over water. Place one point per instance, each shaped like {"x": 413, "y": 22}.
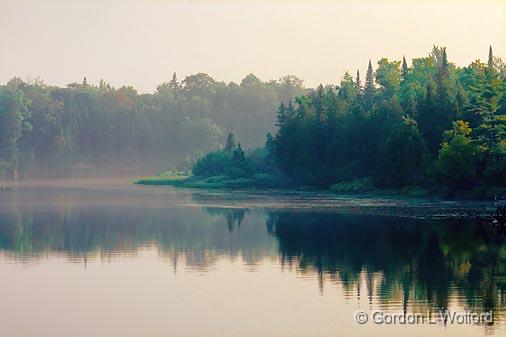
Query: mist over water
{"x": 330, "y": 161}
{"x": 198, "y": 263}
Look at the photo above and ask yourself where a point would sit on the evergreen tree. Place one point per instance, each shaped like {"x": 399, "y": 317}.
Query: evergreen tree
{"x": 281, "y": 114}
{"x": 404, "y": 69}
{"x": 330, "y": 134}
{"x": 174, "y": 84}
{"x": 444, "y": 63}
{"x": 490, "y": 62}
{"x": 238, "y": 154}
{"x": 443, "y": 109}
{"x": 270, "y": 149}
{"x": 317, "y": 99}
{"x": 230, "y": 144}
{"x": 488, "y": 92}
{"x": 428, "y": 119}
{"x": 348, "y": 89}
{"x": 369, "y": 87}
{"x": 290, "y": 111}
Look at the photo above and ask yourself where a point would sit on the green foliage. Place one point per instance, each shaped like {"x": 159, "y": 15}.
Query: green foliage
{"x": 369, "y": 87}
{"x": 164, "y": 179}
{"x": 495, "y": 172}
{"x": 232, "y": 163}
{"x": 227, "y": 168}
{"x": 414, "y": 191}
{"x": 353, "y": 186}
{"x": 14, "y": 121}
{"x": 238, "y": 154}
{"x": 409, "y": 126}
{"x": 388, "y": 76}
{"x": 47, "y": 130}
{"x": 459, "y": 157}
{"x": 426, "y": 123}
{"x": 230, "y": 145}
{"x": 213, "y": 163}
{"x": 401, "y": 157}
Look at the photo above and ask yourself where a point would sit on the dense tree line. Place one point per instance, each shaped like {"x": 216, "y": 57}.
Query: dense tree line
{"x": 427, "y": 124}
{"x": 47, "y": 130}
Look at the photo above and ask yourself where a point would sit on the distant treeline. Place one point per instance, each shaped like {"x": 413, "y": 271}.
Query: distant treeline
{"x": 427, "y": 124}
{"x": 47, "y": 130}
{"x": 430, "y": 124}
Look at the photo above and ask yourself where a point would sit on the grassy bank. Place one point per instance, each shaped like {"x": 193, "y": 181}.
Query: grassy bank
{"x": 256, "y": 181}
{"x": 355, "y": 187}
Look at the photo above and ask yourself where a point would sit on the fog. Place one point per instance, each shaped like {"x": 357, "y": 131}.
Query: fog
{"x": 146, "y": 86}
{"x": 140, "y": 43}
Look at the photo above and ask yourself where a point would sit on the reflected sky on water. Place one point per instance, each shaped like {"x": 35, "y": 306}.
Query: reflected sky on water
{"x": 106, "y": 258}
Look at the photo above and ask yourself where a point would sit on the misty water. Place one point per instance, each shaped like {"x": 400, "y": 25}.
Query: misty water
{"x": 104, "y": 257}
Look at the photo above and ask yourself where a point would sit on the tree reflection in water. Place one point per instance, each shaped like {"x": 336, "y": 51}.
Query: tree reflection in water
{"x": 414, "y": 264}
{"x": 419, "y": 261}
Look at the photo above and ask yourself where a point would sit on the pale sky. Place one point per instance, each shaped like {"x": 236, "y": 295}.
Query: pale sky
{"x": 141, "y": 42}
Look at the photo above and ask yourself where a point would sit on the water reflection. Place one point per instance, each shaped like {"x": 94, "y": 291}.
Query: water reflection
{"x": 404, "y": 262}
{"x": 200, "y": 235}
{"x": 396, "y": 263}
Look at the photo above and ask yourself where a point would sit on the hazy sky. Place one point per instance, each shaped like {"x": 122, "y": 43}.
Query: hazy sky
{"x": 141, "y": 42}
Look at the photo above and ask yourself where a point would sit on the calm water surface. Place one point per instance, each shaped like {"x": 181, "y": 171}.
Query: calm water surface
{"x": 102, "y": 257}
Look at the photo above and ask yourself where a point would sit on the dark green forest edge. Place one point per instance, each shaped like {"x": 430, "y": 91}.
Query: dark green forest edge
{"x": 97, "y": 129}
{"x": 431, "y": 128}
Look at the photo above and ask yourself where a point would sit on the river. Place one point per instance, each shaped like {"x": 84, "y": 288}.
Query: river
{"x": 103, "y": 257}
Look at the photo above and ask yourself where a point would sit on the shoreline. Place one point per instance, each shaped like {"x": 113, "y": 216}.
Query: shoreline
{"x": 202, "y": 183}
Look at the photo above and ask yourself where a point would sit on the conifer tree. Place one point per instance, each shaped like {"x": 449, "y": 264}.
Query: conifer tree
{"x": 444, "y": 109}
{"x": 489, "y": 94}
{"x": 404, "y": 69}
{"x": 230, "y": 144}
{"x": 319, "y": 105}
{"x": 369, "y": 87}
{"x": 490, "y": 58}
{"x": 174, "y": 84}
{"x": 270, "y": 148}
{"x": 444, "y": 62}
{"x": 290, "y": 112}
{"x": 281, "y": 114}
{"x": 238, "y": 153}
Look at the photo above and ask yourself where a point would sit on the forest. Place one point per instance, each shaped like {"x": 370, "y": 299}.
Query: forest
{"x": 428, "y": 126}
{"x": 85, "y": 128}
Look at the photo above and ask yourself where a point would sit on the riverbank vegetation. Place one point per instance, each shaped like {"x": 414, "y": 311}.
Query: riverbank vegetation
{"x": 229, "y": 167}
{"x": 47, "y": 130}
{"x": 428, "y": 127}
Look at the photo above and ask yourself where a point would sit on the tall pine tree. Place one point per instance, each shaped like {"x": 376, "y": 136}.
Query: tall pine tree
{"x": 404, "y": 69}
{"x": 369, "y": 87}
{"x": 490, "y": 58}
{"x": 174, "y": 84}
{"x": 230, "y": 144}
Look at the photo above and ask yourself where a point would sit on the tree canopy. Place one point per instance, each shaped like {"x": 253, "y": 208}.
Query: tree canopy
{"x": 47, "y": 130}
{"x": 428, "y": 124}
